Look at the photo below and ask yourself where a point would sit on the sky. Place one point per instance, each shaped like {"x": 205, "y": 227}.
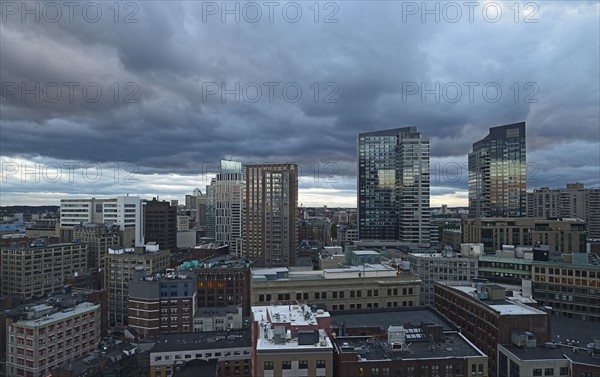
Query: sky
{"x": 144, "y": 98}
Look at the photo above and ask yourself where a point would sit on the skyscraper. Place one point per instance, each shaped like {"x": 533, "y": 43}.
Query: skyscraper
{"x": 271, "y": 195}
{"x": 497, "y": 173}
{"x": 393, "y": 186}
{"x": 160, "y": 223}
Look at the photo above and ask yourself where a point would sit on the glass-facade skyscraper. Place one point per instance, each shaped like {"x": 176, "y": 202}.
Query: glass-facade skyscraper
{"x": 393, "y": 186}
{"x": 497, "y": 173}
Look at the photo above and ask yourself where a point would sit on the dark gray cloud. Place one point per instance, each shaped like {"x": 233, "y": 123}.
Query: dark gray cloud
{"x": 366, "y": 68}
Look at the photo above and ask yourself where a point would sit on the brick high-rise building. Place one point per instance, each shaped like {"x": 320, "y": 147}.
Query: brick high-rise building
{"x": 270, "y": 214}
{"x": 160, "y": 223}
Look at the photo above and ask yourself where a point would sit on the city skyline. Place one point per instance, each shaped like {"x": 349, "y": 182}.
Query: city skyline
{"x": 166, "y": 121}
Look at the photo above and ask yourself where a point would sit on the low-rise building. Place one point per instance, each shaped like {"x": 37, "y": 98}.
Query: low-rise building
{"x": 161, "y": 303}
{"x": 486, "y": 317}
{"x": 367, "y": 286}
{"x": 291, "y": 340}
{"x": 47, "y": 338}
{"x": 232, "y": 349}
{"x": 403, "y": 342}
{"x": 218, "y": 319}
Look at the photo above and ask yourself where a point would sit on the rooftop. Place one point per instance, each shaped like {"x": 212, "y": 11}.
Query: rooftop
{"x": 364, "y": 270}
{"x": 202, "y": 340}
{"x": 61, "y": 315}
{"x": 503, "y": 307}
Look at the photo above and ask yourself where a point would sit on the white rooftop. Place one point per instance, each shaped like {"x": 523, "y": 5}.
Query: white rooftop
{"x": 365, "y": 252}
{"x": 506, "y": 308}
{"x": 61, "y": 315}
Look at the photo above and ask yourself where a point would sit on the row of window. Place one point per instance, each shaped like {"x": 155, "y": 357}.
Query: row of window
{"x": 302, "y": 364}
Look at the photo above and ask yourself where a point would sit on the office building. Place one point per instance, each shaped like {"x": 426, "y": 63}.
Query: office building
{"x": 160, "y": 223}
{"x": 222, "y": 282}
{"x": 574, "y": 201}
{"x": 291, "y": 340}
{"x": 47, "y": 338}
{"x": 161, "y": 303}
{"x": 99, "y": 238}
{"x": 36, "y": 270}
{"x": 124, "y": 211}
{"x": 409, "y": 342}
{"x": 197, "y": 202}
{"x": 393, "y": 186}
{"x": 569, "y": 288}
{"x": 218, "y": 319}
{"x": 231, "y": 349}
{"x": 497, "y": 173}
{"x": 367, "y": 286}
{"x": 486, "y": 317}
{"x": 121, "y": 263}
{"x": 561, "y": 235}
{"x": 270, "y": 214}
{"x": 431, "y": 267}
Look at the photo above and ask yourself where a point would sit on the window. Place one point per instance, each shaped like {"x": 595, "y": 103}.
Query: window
{"x": 303, "y": 364}
{"x": 321, "y": 364}
{"x": 286, "y": 365}
{"x": 564, "y": 371}
{"x": 537, "y": 372}
{"x": 549, "y": 372}
{"x": 268, "y": 365}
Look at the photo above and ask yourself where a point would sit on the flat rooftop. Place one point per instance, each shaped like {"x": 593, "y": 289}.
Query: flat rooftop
{"x": 542, "y": 352}
{"x": 384, "y": 318}
{"x": 364, "y": 270}
{"x": 61, "y": 315}
{"x": 503, "y": 307}
{"x": 202, "y": 340}
{"x": 368, "y": 349}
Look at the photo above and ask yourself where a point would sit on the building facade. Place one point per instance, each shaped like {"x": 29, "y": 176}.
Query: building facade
{"x": 161, "y": 303}
{"x": 218, "y": 319}
{"x": 487, "y": 318}
{"x": 39, "y": 344}
{"x": 227, "y": 202}
{"x": 99, "y": 238}
{"x": 37, "y": 271}
{"x": 561, "y": 236}
{"x": 120, "y": 265}
{"x": 497, "y": 173}
{"x": 160, "y": 223}
{"x": 351, "y": 288}
{"x": 574, "y": 201}
{"x": 271, "y": 196}
{"x": 393, "y": 186}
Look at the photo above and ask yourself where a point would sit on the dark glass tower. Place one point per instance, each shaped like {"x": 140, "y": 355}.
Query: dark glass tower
{"x": 497, "y": 173}
{"x": 393, "y": 186}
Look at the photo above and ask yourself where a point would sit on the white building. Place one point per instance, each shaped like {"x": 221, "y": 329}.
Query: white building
{"x": 218, "y": 319}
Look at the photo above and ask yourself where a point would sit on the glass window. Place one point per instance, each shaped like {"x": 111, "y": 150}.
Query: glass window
{"x": 286, "y": 365}
{"x": 268, "y": 365}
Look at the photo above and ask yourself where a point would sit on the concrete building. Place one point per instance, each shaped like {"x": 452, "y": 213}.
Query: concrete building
{"x": 227, "y": 198}
{"x": 440, "y": 267}
{"x": 218, "y": 319}
{"x": 232, "y": 350}
{"x": 452, "y": 238}
{"x": 124, "y": 211}
{"x": 99, "y": 238}
{"x": 347, "y": 233}
{"x": 340, "y": 217}
{"x": 357, "y": 287}
{"x": 291, "y": 340}
{"x": 497, "y": 173}
{"x": 183, "y": 223}
{"x": 35, "y": 271}
{"x": 270, "y": 205}
{"x": 563, "y": 236}
{"x": 120, "y": 266}
{"x": 487, "y": 318}
{"x": 47, "y": 339}
{"x": 393, "y": 186}
{"x": 161, "y": 303}
{"x": 574, "y": 201}
{"x": 160, "y": 223}
{"x": 222, "y": 282}
{"x": 571, "y": 288}
{"x": 403, "y": 342}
